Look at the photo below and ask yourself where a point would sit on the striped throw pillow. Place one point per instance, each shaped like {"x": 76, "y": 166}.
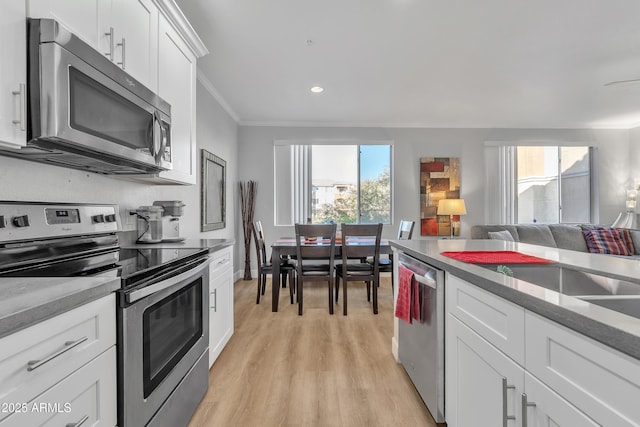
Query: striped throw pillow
{"x": 606, "y": 241}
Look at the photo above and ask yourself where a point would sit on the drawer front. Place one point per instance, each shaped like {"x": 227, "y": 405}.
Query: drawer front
{"x": 34, "y": 359}
{"x": 498, "y": 321}
{"x": 87, "y": 397}
{"x": 222, "y": 262}
{"x": 598, "y": 380}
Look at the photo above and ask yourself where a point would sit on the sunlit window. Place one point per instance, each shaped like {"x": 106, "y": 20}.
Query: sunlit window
{"x": 333, "y": 183}
{"x": 553, "y": 184}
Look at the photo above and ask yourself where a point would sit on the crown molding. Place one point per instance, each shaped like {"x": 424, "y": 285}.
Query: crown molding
{"x": 202, "y": 78}
{"x": 172, "y": 12}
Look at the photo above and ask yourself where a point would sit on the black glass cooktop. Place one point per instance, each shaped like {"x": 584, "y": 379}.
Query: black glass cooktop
{"x": 147, "y": 260}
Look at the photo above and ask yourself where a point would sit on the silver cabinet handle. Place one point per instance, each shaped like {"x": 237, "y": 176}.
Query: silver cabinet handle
{"x": 22, "y": 92}
{"x": 505, "y": 416}
{"x": 35, "y": 364}
{"x": 525, "y": 406}
{"x": 79, "y": 423}
{"x": 215, "y": 301}
{"x": 124, "y": 48}
{"x": 110, "y": 35}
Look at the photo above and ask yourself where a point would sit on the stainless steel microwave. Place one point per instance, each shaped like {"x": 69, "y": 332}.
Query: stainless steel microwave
{"x": 87, "y": 113}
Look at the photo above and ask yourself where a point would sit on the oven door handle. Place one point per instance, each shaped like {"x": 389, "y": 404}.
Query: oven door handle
{"x": 138, "y": 294}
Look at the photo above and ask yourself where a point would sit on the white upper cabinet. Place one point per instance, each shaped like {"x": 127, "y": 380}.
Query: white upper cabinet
{"x": 13, "y": 75}
{"x": 125, "y": 31}
{"x": 135, "y": 38}
{"x": 177, "y": 86}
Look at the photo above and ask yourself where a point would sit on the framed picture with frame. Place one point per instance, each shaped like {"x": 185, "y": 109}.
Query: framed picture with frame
{"x": 212, "y": 192}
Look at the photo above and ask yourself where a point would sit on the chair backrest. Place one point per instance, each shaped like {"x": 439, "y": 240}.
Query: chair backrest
{"x": 361, "y": 241}
{"x": 405, "y": 231}
{"x": 261, "y": 251}
{"x": 322, "y": 248}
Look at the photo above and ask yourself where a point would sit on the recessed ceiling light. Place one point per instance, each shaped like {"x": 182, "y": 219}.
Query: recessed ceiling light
{"x": 317, "y": 89}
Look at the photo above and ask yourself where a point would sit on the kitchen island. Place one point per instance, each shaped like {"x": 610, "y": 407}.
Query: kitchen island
{"x": 518, "y": 352}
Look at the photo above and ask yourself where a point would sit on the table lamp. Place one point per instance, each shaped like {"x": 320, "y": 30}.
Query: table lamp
{"x": 451, "y": 207}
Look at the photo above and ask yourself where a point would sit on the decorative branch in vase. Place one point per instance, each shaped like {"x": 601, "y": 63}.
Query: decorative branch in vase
{"x": 247, "y": 206}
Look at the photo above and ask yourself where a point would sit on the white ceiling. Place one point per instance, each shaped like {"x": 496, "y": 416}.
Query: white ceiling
{"x": 425, "y": 63}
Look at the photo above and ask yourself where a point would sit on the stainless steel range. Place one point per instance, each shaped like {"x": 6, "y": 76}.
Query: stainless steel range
{"x": 163, "y": 303}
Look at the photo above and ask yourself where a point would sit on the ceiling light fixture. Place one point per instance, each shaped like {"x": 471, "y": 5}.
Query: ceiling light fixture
{"x": 317, "y": 89}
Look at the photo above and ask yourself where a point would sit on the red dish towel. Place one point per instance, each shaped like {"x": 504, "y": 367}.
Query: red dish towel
{"x": 495, "y": 257}
{"x": 403, "y": 303}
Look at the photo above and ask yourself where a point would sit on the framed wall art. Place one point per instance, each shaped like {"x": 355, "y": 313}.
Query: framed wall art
{"x": 439, "y": 179}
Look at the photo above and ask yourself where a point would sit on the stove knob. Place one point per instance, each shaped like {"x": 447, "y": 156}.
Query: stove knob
{"x": 110, "y": 218}
{"x": 2, "y": 223}
{"x": 97, "y": 218}
{"x": 20, "y": 221}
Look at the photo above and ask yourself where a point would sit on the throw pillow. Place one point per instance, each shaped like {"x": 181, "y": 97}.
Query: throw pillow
{"x": 625, "y": 236}
{"x": 605, "y": 241}
{"x": 635, "y": 238}
{"x": 501, "y": 235}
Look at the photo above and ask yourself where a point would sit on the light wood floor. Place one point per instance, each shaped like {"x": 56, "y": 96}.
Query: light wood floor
{"x": 281, "y": 369}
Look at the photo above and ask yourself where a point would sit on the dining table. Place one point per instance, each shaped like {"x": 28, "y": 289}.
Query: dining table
{"x": 287, "y": 246}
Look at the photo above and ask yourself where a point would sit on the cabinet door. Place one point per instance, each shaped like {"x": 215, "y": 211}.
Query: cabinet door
{"x": 221, "y": 303}
{"x": 483, "y": 386}
{"x": 13, "y": 83}
{"x": 177, "y": 85}
{"x": 547, "y": 409}
{"x": 84, "y": 18}
{"x": 135, "y": 24}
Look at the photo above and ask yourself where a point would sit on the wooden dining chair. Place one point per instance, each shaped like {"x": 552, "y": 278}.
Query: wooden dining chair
{"x": 359, "y": 241}
{"x": 265, "y": 266}
{"x": 405, "y": 231}
{"x": 315, "y": 250}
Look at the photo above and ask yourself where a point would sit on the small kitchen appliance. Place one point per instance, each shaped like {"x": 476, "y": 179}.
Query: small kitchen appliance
{"x": 149, "y": 224}
{"x": 172, "y": 211}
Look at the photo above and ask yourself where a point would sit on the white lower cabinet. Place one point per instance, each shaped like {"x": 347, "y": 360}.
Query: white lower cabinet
{"x": 482, "y": 384}
{"x": 563, "y": 379}
{"x": 220, "y": 301}
{"x": 63, "y": 370}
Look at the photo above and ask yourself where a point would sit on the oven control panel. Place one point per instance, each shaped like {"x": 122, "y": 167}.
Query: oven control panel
{"x": 33, "y": 221}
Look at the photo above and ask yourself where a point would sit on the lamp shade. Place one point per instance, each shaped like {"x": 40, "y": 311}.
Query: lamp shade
{"x": 451, "y": 207}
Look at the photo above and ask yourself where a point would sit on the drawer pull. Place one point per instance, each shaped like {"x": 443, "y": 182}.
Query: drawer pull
{"x": 525, "y": 406}
{"x": 35, "y": 364}
{"x": 505, "y": 416}
{"x": 79, "y": 423}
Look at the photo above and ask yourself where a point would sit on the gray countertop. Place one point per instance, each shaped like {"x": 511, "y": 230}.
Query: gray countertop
{"x": 614, "y": 329}
{"x": 25, "y": 301}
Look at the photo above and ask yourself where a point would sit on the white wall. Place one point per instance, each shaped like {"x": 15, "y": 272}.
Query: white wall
{"x": 255, "y": 147}
{"x": 22, "y": 180}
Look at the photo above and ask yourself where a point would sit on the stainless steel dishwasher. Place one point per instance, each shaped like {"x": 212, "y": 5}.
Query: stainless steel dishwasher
{"x": 421, "y": 344}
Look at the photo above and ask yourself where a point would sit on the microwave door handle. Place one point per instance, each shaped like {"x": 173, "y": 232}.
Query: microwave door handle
{"x": 156, "y": 137}
{"x": 165, "y": 136}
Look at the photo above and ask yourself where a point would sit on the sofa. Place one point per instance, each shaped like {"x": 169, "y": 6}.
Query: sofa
{"x": 562, "y": 236}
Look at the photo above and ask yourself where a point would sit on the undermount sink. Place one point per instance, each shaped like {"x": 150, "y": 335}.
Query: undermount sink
{"x": 629, "y": 305}
{"x": 566, "y": 280}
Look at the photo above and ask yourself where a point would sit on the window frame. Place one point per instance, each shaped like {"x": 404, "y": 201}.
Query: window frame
{"x": 501, "y": 157}
{"x": 307, "y": 215}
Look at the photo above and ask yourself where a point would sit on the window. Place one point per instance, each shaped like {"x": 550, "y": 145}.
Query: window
{"x": 541, "y": 184}
{"x": 553, "y": 185}
{"x": 332, "y": 183}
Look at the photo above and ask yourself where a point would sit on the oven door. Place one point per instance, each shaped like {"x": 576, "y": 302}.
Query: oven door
{"x": 163, "y": 332}
{"x": 81, "y": 106}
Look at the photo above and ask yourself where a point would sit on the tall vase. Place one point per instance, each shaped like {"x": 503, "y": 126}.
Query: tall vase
{"x": 247, "y": 204}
